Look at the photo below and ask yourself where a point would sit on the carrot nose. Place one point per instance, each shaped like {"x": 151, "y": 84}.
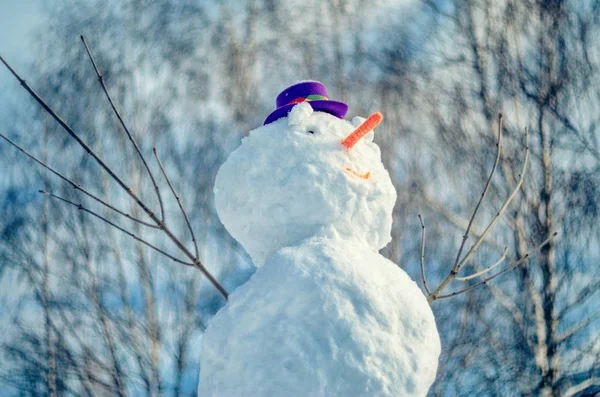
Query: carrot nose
{"x": 362, "y": 130}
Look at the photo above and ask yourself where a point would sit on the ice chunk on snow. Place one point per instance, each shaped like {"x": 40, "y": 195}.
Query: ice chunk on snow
{"x": 328, "y": 317}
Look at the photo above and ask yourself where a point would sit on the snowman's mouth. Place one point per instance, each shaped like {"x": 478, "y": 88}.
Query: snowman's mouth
{"x": 365, "y": 176}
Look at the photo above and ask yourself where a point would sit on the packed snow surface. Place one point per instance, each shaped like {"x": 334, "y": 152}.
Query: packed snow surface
{"x": 328, "y": 317}
{"x": 325, "y": 314}
{"x": 284, "y": 183}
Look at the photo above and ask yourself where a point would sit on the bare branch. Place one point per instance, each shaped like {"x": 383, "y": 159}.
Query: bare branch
{"x": 423, "y": 255}
{"x": 510, "y": 267}
{"x": 488, "y": 269}
{"x": 85, "y": 146}
{"x": 582, "y": 297}
{"x": 456, "y": 266}
{"x": 515, "y": 312}
{"x": 76, "y": 186}
{"x": 571, "y": 391}
{"x": 83, "y": 375}
{"x": 577, "y": 327}
{"x": 504, "y": 206}
{"x": 133, "y": 142}
{"x": 455, "y": 220}
{"x": 160, "y": 223}
{"x": 108, "y": 336}
{"x": 187, "y": 221}
{"x": 84, "y": 209}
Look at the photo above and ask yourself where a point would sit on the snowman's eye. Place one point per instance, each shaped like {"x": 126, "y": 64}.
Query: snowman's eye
{"x": 312, "y": 130}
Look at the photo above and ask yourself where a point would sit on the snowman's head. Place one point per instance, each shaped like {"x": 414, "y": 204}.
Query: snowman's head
{"x": 293, "y": 179}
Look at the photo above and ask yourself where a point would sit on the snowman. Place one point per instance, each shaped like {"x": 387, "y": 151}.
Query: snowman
{"x": 324, "y": 314}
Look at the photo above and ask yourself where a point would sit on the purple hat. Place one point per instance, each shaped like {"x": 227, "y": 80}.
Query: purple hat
{"x": 307, "y": 91}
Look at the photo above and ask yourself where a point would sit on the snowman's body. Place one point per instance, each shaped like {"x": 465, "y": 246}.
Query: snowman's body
{"x": 325, "y": 314}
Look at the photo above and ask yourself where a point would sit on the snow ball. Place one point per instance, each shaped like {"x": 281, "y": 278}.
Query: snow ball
{"x": 299, "y": 113}
{"x": 328, "y": 317}
{"x": 292, "y": 178}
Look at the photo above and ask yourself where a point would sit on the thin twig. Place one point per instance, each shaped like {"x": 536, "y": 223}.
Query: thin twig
{"x": 510, "y": 267}
{"x": 456, "y": 266}
{"x": 84, "y": 145}
{"x": 187, "y": 220}
{"x": 75, "y": 185}
{"x": 486, "y": 270}
{"x": 129, "y": 135}
{"x": 423, "y": 255}
{"x": 457, "y": 221}
{"x": 84, "y": 209}
{"x": 504, "y": 206}
{"x": 485, "y": 190}
{"x": 197, "y": 263}
{"x": 576, "y": 389}
{"x": 577, "y": 327}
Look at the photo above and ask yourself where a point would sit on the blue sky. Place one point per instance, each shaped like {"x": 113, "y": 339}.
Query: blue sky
{"x": 18, "y": 20}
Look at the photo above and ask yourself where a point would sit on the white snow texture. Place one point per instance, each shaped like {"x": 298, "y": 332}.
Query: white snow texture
{"x": 325, "y": 314}
{"x": 283, "y": 184}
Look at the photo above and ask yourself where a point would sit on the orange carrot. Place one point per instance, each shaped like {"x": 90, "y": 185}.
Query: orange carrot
{"x": 362, "y": 130}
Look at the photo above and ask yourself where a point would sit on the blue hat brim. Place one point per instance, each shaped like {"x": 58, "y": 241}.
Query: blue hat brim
{"x": 338, "y": 109}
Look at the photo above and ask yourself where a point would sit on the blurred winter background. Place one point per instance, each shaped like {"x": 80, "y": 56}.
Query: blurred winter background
{"x": 86, "y": 311}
